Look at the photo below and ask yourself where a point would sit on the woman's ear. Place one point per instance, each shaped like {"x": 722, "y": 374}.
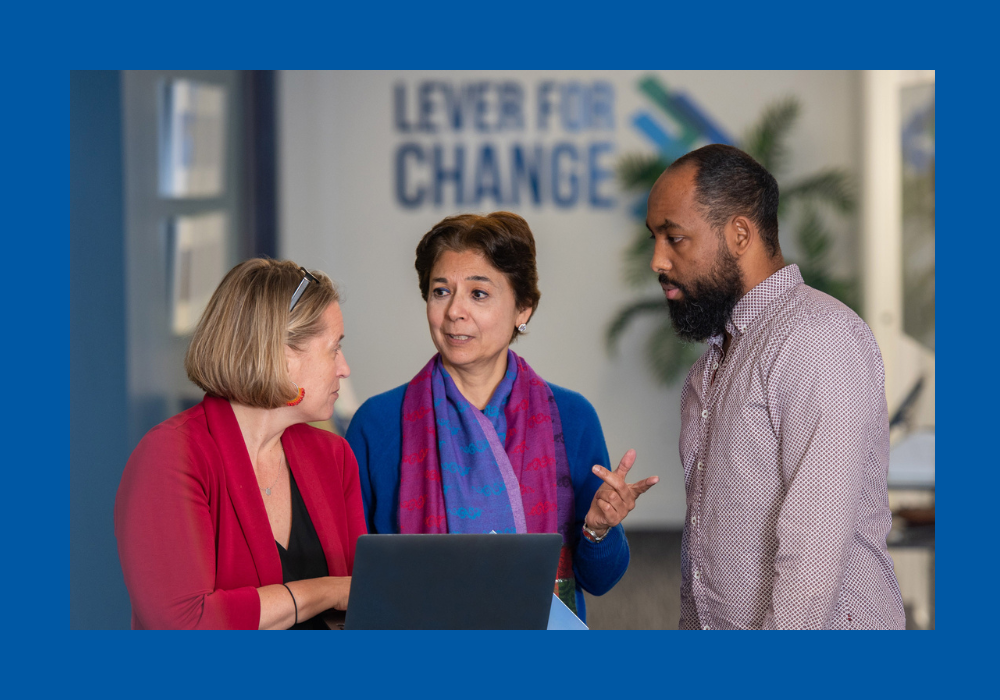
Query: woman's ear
{"x": 522, "y": 316}
{"x": 291, "y": 360}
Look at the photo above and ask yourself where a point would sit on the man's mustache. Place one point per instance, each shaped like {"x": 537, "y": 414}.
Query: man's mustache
{"x": 666, "y": 280}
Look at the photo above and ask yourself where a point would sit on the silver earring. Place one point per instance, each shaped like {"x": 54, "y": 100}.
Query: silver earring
{"x": 523, "y": 327}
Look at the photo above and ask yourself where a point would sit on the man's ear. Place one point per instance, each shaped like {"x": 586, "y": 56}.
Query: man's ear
{"x": 742, "y": 233}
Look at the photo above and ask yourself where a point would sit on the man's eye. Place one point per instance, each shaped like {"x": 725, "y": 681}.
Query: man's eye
{"x": 676, "y": 239}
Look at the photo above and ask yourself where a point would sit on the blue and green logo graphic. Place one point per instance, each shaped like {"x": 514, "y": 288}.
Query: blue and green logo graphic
{"x": 687, "y": 125}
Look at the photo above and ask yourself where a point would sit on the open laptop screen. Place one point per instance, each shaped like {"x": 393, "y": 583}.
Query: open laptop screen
{"x": 453, "y": 581}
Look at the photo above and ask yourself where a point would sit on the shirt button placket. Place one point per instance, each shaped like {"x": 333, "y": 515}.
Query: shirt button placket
{"x": 696, "y": 553}
{"x": 697, "y": 563}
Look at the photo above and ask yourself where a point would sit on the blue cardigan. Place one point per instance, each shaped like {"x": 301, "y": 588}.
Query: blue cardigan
{"x": 375, "y": 435}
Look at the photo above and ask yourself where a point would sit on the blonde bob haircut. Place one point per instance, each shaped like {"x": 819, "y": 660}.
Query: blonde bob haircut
{"x": 238, "y": 348}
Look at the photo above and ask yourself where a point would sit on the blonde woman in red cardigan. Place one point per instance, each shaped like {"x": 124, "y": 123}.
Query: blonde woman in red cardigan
{"x": 236, "y": 514}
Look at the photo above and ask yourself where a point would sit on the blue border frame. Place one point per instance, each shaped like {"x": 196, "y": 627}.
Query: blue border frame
{"x": 516, "y": 35}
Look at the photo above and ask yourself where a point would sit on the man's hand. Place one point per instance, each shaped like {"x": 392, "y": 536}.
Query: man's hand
{"x": 615, "y": 498}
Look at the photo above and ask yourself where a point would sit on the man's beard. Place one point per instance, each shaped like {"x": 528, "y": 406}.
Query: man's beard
{"x": 707, "y": 303}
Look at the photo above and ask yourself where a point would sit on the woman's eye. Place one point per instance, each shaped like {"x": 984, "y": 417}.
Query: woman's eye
{"x": 439, "y": 292}
{"x": 479, "y": 294}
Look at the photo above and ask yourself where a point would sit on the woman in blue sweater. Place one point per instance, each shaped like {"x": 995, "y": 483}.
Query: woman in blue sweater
{"x": 476, "y": 441}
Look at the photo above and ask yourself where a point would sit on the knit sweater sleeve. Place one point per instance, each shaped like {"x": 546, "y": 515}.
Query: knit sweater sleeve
{"x": 375, "y": 436}
{"x": 597, "y": 567}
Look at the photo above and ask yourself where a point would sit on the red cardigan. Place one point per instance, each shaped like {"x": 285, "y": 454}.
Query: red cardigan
{"x": 193, "y": 536}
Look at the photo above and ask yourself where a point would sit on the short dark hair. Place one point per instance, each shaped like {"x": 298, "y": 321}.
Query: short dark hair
{"x": 729, "y": 183}
{"x": 503, "y": 238}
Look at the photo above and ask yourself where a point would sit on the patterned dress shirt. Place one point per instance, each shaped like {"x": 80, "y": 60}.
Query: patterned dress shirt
{"x": 785, "y": 447}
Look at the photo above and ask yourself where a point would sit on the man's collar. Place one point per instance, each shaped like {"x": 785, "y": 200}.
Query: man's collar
{"x": 757, "y": 299}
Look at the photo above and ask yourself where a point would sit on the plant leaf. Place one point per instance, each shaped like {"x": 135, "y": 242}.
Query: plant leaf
{"x": 813, "y": 239}
{"x": 815, "y": 242}
{"x": 765, "y": 140}
{"x": 833, "y": 186}
{"x": 637, "y": 256}
{"x": 639, "y": 171}
{"x": 627, "y": 314}
{"x": 669, "y": 356}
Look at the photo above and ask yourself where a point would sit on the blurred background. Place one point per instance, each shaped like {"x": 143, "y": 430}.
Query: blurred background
{"x": 178, "y": 175}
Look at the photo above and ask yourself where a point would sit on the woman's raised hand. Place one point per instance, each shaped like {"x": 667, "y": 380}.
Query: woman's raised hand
{"x": 615, "y": 498}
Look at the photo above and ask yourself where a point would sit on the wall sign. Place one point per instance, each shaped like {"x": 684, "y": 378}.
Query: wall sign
{"x": 493, "y": 144}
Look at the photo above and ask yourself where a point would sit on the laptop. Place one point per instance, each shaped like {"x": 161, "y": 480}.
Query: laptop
{"x": 441, "y": 582}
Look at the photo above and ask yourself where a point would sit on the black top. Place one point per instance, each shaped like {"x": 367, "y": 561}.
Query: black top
{"x": 304, "y": 557}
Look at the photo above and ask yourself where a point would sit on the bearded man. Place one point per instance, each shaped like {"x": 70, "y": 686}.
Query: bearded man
{"x": 785, "y": 430}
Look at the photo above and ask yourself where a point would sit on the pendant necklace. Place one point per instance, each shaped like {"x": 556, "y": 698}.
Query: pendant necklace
{"x": 267, "y": 491}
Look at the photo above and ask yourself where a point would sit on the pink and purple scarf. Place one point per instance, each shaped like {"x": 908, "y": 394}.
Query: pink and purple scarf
{"x": 502, "y": 469}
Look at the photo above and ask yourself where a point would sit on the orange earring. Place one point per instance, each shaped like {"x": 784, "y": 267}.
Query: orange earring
{"x": 298, "y": 397}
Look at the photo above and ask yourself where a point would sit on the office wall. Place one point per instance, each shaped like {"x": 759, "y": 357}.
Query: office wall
{"x": 158, "y": 385}
{"x": 354, "y": 202}
{"x": 99, "y": 443}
